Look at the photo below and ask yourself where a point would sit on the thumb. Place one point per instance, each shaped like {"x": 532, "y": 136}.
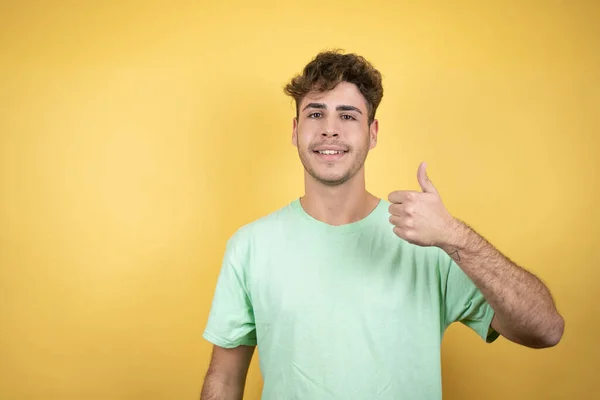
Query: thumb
{"x": 424, "y": 182}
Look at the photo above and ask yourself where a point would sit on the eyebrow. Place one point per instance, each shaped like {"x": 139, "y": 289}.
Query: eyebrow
{"x": 323, "y": 106}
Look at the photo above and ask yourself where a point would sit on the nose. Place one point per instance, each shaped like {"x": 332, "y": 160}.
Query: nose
{"x": 330, "y": 126}
{"x": 329, "y": 132}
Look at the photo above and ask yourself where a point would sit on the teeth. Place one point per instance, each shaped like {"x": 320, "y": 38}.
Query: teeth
{"x": 330, "y": 152}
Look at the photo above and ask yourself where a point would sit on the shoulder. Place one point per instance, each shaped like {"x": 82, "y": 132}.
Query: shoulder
{"x": 261, "y": 228}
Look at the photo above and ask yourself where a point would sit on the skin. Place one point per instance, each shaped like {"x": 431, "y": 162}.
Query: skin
{"x": 335, "y": 193}
{"x": 227, "y": 372}
{"x": 525, "y": 312}
{"x": 335, "y": 190}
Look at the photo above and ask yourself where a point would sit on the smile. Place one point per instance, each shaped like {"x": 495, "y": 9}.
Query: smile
{"x": 330, "y": 152}
{"x": 329, "y": 155}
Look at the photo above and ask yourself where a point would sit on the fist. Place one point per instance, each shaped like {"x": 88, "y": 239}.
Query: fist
{"x": 420, "y": 217}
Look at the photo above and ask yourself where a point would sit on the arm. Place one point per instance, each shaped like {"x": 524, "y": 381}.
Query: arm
{"x": 525, "y": 312}
{"x": 226, "y": 376}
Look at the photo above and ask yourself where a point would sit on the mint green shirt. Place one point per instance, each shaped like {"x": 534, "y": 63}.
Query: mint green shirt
{"x": 341, "y": 312}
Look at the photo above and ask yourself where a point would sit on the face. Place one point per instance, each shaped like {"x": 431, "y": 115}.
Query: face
{"x": 333, "y": 135}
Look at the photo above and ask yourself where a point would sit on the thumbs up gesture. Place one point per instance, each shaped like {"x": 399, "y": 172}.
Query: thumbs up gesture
{"x": 420, "y": 217}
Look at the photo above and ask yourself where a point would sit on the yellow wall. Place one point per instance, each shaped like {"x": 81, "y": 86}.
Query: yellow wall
{"x": 135, "y": 137}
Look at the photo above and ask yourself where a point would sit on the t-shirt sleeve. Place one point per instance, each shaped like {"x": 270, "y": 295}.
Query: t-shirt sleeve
{"x": 464, "y": 302}
{"x": 231, "y": 317}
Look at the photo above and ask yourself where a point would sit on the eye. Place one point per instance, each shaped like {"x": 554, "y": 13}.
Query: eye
{"x": 348, "y": 117}
{"x": 314, "y": 115}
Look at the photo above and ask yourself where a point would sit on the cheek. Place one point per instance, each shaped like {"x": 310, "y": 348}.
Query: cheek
{"x": 358, "y": 137}
{"x": 305, "y": 137}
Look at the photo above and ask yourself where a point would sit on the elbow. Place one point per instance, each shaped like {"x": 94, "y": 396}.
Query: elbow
{"x": 542, "y": 338}
{"x": 554, "y": 334}
{"x": 557, "y": 331}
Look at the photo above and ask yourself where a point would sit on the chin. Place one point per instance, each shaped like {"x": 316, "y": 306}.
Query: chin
{"x": 333, "y": 174}
{"x": 334, "y": 182}
{"x": 331, "y": 179}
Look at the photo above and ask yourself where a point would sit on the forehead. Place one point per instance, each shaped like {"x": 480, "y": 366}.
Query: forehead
{"x": 343, "y": 94}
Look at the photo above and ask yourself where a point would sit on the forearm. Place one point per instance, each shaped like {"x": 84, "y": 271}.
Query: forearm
{"x": 524, "y": 309}
{"x": 217, "y": 387}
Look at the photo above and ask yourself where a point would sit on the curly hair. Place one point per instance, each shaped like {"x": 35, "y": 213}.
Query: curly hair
{"x": 328, "y": 69}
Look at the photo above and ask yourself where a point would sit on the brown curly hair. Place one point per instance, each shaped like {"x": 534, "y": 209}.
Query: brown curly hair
{"x": 328, "y": 69}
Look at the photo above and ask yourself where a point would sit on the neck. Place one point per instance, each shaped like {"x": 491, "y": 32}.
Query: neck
{"x": 338, "y": 205}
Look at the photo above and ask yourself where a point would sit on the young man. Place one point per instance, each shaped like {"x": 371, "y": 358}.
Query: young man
{"x": 347, "y": 295}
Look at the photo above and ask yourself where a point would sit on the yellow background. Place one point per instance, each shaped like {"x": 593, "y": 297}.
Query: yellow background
{"x": 136, "y": 136}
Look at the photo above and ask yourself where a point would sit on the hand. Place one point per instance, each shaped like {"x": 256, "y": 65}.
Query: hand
{"x": 420, "y": 217}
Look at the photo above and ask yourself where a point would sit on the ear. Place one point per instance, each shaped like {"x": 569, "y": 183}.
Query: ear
{"x": 373, "y": 131}
{"x": 295, "y": 132}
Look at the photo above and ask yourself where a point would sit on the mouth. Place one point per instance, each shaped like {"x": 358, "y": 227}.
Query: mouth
{"x": 330, "y": 154}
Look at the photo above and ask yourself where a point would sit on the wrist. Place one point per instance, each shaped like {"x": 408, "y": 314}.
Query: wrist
{"x": 455, "y": 235}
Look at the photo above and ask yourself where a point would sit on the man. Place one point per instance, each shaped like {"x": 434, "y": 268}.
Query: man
{"x": 346, "y": 295}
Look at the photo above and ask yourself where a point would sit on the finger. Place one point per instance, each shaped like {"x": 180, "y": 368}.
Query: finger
{"x": 402, "y": 196}
{"x": 401, "y": 221}
{"x": 403, "y": 233}
{"x": 396, "y": 220}
{"x": 402, "y": 210}
{"x": 424, "y": 181}
{"x": 407, "y": 234}
{"x": 399, "y": 232}
{"x": 397, "y": 209}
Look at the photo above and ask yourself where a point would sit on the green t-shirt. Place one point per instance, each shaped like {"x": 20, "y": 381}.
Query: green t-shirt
{"x": 341, "y": 312}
